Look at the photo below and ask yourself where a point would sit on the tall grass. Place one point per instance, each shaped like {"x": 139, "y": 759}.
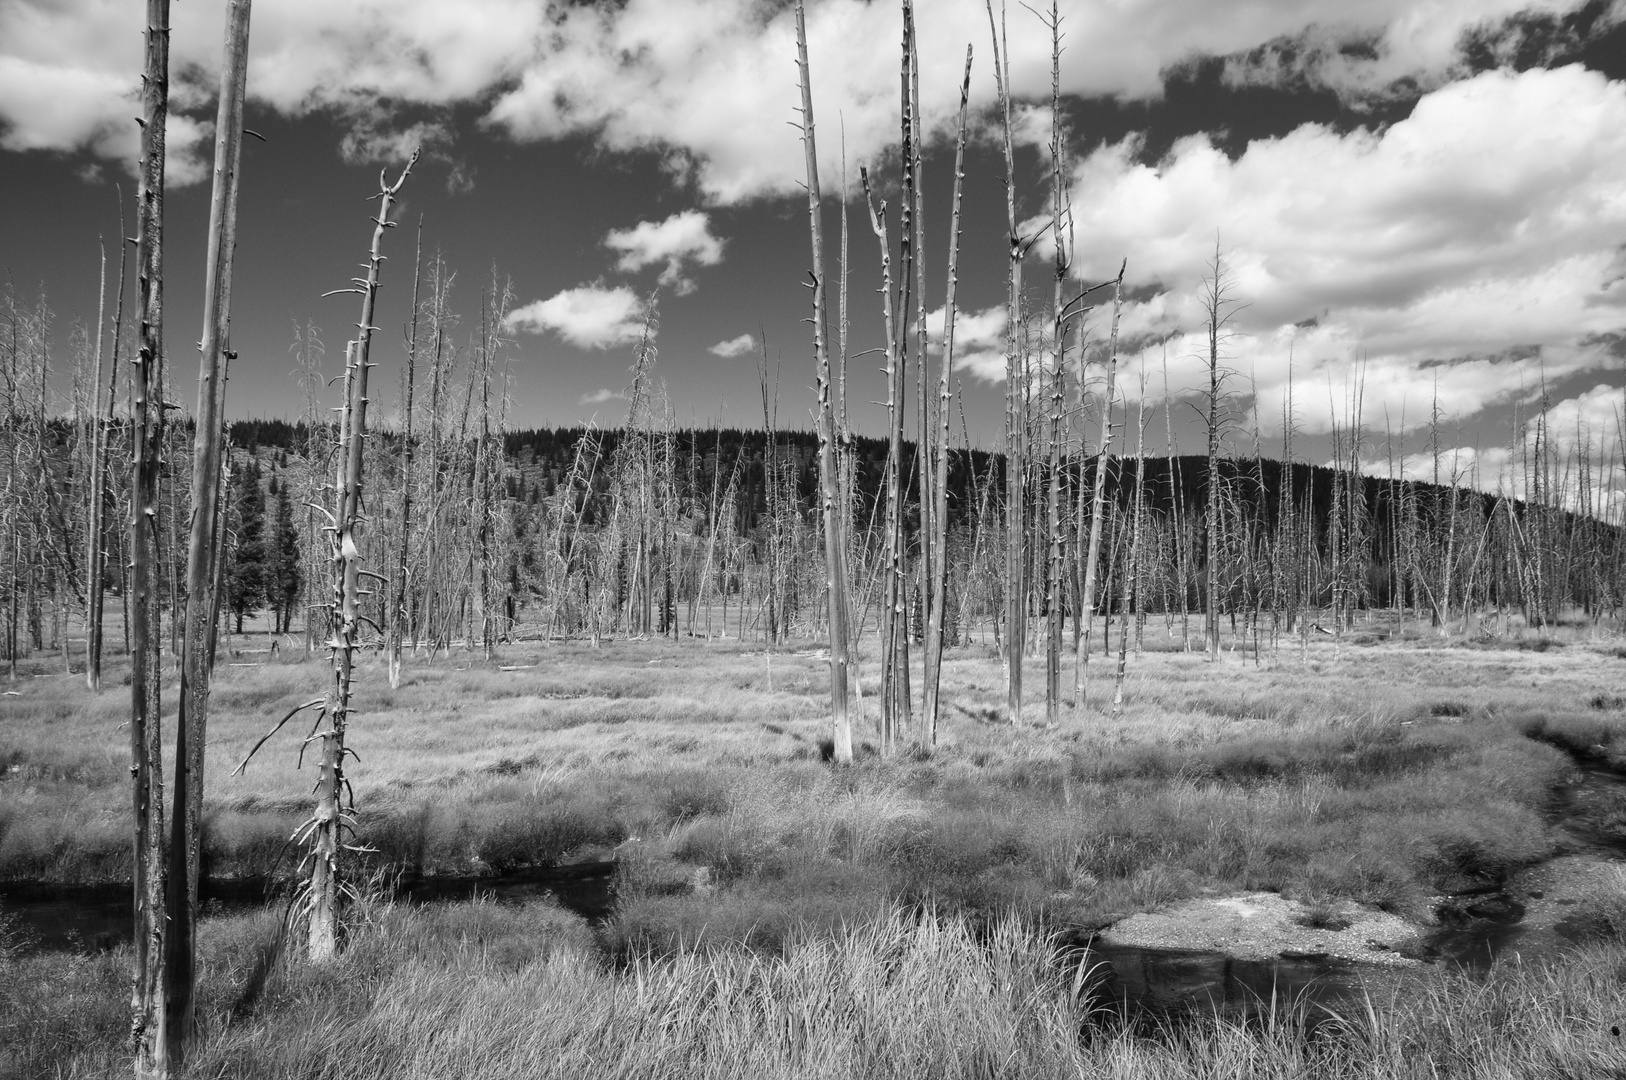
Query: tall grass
{"x": 476, "y": 991}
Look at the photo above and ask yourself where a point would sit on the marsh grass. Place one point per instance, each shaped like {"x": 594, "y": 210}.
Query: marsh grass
{"x": 1384, "y": 776}
{"x": 775, "y": 914}
{"x": 476, "y": 990}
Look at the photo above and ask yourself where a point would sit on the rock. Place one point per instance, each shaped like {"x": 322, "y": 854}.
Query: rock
{"x": 1263, "y": 926}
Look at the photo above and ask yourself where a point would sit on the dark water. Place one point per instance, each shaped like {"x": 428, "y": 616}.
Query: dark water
{"x": 81, "y": 917}
{"x": 1475, "y": 929}
{"x": 1128, "y": 981}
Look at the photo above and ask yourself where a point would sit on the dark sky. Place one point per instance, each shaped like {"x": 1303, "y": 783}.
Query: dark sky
{"x": 1429, "y": 198}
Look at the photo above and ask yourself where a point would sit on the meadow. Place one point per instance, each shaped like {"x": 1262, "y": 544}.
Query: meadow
{"x": 777, "y": 915}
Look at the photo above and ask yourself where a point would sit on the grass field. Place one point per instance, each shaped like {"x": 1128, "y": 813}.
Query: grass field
{"x": 770, "y": 907}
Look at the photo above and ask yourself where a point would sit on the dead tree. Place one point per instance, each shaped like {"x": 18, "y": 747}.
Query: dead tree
{"x": 1219, "y": 307}
{"x": 939, "y": 532}
{"x": 1053, "y": 571}
{"x": 332, "y": 817}
{"x": 1015, "y": 404}
{"x": 97, "y": 432}
{"x": 1092, "y": 555}
{"x": 202, "y": 547}
{"x": 148, "y": 1000}
{"x": 1126, "y": 595}
{"x": 892, "y": 636}
{"x": 398, "y": 607}
{"x": 833, "y": 506}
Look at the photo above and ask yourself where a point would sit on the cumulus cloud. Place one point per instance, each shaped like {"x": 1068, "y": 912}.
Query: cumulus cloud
{"x": 373, "y": 140}
{"x": 602, "y": 396}
{"x": 1478, "y": 236}
{"x": 979, "y": 340}
{"x": 734, "y": 346}
{"x": 681, "y": 240}
{"x": 688, "y": 79}
{"x": 588, "y": 316}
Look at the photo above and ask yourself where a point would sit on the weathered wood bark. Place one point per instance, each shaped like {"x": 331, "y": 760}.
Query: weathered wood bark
{"x": 939, "y": 495}
{"x": 832, "y": 503}
{"x": 332, "y": 816}
{"x": 192, "y": 723}
{"x": 147, "y": 1005}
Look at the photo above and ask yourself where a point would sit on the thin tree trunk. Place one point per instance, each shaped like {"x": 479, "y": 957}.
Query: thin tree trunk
{"x": 331, "y": 817}
{"x": 835, "y": 532}
{"x": 1102, "y": 456}
{"x": 192, "y": 723}
{"x": 398, "y": 609}
{"x": 1132, "y": 557}
{"x": 150, "y": 996}
{"x": 1053, "y": 572}
{"x": 1015, "y": 405}
{"x": 892, "y": 604}
{"x": 939, "y": 534}
{"x": 93, "y": 509}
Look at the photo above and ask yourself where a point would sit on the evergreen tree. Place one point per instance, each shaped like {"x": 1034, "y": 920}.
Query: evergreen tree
{"x": 246, "y": 570}
{"x": 286, "y": 580}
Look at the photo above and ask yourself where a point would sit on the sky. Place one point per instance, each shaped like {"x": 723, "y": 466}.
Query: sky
{"x": 1417, "y": 204}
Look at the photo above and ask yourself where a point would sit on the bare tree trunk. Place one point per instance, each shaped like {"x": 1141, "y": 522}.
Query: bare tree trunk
{"x": 192, "y": 724}
{"x": 1102, "y": 456}
{"x": 1015, "y": 405}
{"x": 833, "y": 506}
{"x": 150, "y": 996}
{"x": 892, "y": 557}
{"x": 398, "y": 609}
{"x": 331, "y": 817}
{"x": 939, "y": 535}
{"x": 1053, "y": 572}
{"x": 1132, "y": 558}
{"x": 97, "y": 432}
{"x": 1218, "y": 306}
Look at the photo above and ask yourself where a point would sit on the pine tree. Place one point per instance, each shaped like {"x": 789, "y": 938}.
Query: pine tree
{"x": 246, "y": 579}
{"x": 286, "y": 581}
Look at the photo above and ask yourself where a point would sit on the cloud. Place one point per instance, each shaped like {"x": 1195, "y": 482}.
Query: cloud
{"x": 687, "y": 80}
{"x": 1473, "y": 243}
{"x": 734, "y": 346}
{"x": 979, "y": 340}
{"x": 681, "y": 239}
{"x": 603, "y": 395}
{"x": 588, "y": 316}
{"x": 374, "y": 140}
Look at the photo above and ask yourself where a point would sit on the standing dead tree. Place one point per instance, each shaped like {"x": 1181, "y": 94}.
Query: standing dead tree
{"x": 334, "y": 815}
{"x": 892, "y": 640}
{"x": 832, "y": 505}
{"x": 1016, "y": 592}
{"x": 1092, "y": 555}
{"x": 1219, "y": 307}
{"x": 147, "y": 1003}
{"x": 203, "y": 547}
{"x": 323, "y": 830}
{"x": 933, "y": 647}
{"x": 1054, "y": 568}
{"x": 402, "y": 569}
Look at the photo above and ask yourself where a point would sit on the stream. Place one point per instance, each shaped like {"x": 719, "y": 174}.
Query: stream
{"x": 1474, "y": 928}
{"x": 96, "y": 917}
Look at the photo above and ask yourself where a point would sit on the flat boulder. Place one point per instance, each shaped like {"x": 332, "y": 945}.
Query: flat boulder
{"x": 1263, "y": 925}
